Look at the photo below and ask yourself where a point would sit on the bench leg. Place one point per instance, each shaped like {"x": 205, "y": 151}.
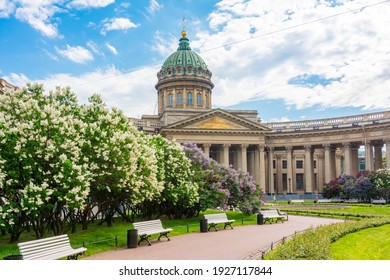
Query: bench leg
{"x": 146, "y": 238}
{"x": 163, "y": 234}
{"x": 228, "y": 224}
{"x": 73, "y": 257}
{"x": 212, "y": 225}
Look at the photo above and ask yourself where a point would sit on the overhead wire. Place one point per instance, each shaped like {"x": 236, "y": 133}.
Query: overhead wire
{"x": 241, "y": 41}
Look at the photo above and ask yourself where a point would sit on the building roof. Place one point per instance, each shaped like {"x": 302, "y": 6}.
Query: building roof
{"x": 184, "y": 56}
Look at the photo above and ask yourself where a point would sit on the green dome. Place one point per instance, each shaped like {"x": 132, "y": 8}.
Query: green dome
{"x": 184, "y": 57}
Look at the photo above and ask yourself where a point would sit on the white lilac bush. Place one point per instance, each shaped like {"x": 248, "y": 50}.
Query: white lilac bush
{"x": 43, "y": 174}
{"x": 180, "y": 191}
{"x": 123, "y": 168}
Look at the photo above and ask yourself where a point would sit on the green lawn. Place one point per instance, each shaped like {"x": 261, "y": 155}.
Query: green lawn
{"x": 99, "y": 238}
{"x": 367, "y": 244}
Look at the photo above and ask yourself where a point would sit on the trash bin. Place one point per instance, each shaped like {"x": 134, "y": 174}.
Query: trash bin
{"x": 132, "y": 238}
{"x": 203, "y": 225}
{"x": 13, "y": 257}
{"x": 260, "y": 219}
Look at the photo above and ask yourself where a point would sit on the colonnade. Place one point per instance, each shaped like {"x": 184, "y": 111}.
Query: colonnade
{"x": 298, "y": 169}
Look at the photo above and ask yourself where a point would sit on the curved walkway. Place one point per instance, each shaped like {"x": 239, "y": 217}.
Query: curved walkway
{"x": 236, "y": 244}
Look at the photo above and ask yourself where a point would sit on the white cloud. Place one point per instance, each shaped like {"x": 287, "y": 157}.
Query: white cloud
{"x": 76, "y": 54}
{"x": 7, "y": 7}
{"x": 154, "y": 6}
{"x": 132, "y": 92}
{"x": 353, "y": 46}
{"x": 117, "y": 24}
{"x": 85, "y": 4}
{"x": 38, "y": 14}
{"x": 112, "y": 49}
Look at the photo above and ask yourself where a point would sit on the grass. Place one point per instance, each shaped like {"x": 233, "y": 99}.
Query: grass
{"x": 100, "y": 238}
{"x": 367, "y": 244}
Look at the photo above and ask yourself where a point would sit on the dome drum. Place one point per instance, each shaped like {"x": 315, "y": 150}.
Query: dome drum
{"x": 184, "y": 80}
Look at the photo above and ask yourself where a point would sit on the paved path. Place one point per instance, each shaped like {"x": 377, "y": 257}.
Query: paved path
{"x": 236, "y": 244}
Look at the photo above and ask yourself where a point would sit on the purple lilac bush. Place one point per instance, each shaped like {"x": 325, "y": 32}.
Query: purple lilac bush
{"x": 222, "y": 186}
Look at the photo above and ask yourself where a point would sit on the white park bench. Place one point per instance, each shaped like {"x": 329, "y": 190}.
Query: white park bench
{"x": 324, "y": 201}
{"x": 297, "y": 201}
{"x": 378, "y": 201}
{"x": 50, "y": 248}
{"x": 273, "y": 214}
{"x": 214, "y": 219}
{"x": 148, "y": 228}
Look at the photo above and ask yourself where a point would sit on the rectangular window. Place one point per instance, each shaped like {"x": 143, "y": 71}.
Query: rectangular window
{"x": 179, "y": 98}
{"x": 199, "y": 99}
{"x": 170, "y": 101}
{"x": 284, "y": 179}
{"x": 284, "y": 164}
{"x": 315, "y": 164}
{"x": 189, "y": 98}
{"x": 299, "y": 181}
{"x": 299, "y": 163}
{"x": 273, "y": 164}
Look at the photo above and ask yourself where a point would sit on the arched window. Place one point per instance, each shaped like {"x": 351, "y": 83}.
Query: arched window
{"x": 189, "y": 98}
{"x": 179, "y": 99}
{"x": 170, "y": 100}
{"x": 199, "y": 99}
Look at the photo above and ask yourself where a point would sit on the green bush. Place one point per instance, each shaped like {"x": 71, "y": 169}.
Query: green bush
{"x": 314, "y": 244}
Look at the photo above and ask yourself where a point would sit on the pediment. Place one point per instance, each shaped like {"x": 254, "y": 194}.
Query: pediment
{"x": 218, "y": 120}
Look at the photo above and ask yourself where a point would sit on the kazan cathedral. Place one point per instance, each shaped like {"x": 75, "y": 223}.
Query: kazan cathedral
{"x": 295, "y": 157}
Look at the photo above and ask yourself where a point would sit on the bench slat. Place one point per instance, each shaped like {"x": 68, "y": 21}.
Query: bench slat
{"x": 48, "y": 248}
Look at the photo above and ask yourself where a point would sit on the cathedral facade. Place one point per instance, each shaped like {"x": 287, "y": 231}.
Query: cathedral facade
{"x": 283, "y": 157}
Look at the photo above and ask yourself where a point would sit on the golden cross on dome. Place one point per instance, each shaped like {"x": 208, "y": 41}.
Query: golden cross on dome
{"x": 183, "y": 32}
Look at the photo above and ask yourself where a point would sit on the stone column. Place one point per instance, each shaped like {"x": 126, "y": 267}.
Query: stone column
{"x": 320, "y": 172}
{"x": 368, "y": 156}
{"x": 262, "y": 167}
{"x": 347, "y": 163}
{"x": 387, "y": 141}
{"x": 378, "y": 156}
{"x": 206, "y": 149}
{"x": 309, "y": 171}
{"x": 279, "y": 176}
{"x": 355, "y": 160}
{"x": 290, "y": 179}
{"x": 330, "y": 162}
{"x": 244, "y": 159}
{"x": 256, "y": 166}
{"x": 226, "y": 154}
{"x": 339, "y": 158}
{"x": 271, "y": 170}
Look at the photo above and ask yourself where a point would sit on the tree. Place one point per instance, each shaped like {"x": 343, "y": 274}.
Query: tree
{"x": 43, "y": 175}
{"x": 222, "y": 186}
{"x": 123, "y": 168}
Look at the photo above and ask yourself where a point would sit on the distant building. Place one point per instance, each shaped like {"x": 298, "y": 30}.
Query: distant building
{"x": 5, "y": 86}
{"x": 283, "y": 157}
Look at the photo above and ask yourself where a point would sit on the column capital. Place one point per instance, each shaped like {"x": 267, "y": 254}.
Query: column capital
{"x": 387, "y": 141}
{"x": 327, "y": 146}
{"x": 289, "y": 148}
{"x": 346, "y": 145}
{"x": 270, "y": 148}
{"x": 244, "y": 146}
{"x": 278, "y": 156}
{"x": 307, "y": 148}
{"x": 226, "y": 145}
{"x": 261, "y": 148}
{"x": 208, "y": 145}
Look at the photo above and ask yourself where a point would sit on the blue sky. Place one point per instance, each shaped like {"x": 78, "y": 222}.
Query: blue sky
{"x": 289, "y": 60}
